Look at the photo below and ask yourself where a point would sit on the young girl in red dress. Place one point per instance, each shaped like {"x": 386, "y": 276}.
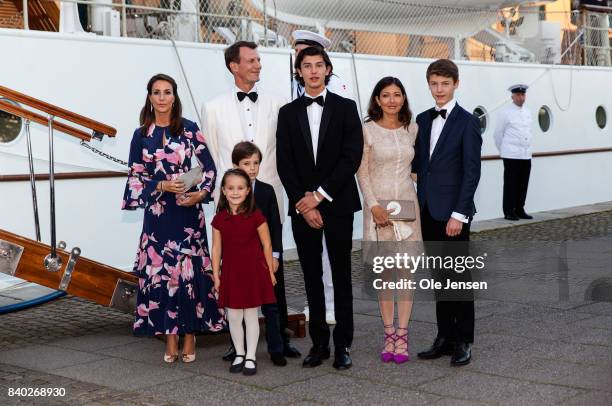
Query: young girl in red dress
{"x": 242, "y": 264}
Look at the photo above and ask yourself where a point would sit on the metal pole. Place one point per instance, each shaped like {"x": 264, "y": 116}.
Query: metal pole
{"x": 52, "y": 188}
{"x": 123, "y": 19}
{"x": 32, "y": 181}
{"x": 265, "y": 16}
{"x": 26, "y": 24}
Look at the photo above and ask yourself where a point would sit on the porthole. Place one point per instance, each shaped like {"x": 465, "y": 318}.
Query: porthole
{"x": 481, "y": 114}
{"x": 544, "y": 118}
{"x": 10, "y": 126}
{"x": 601, "y": 117}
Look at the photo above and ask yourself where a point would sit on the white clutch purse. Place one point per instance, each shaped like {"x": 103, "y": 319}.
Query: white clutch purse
{"x": 192, "y": 178}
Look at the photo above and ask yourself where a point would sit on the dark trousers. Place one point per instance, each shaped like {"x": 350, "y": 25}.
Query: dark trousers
{"x": 455, "y": 318}
{"x": 275, "y": 314}
{"x": 309, "y": 242}
{"x": 516, "y": 180}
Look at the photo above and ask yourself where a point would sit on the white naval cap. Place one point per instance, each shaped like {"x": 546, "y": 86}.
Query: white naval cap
{"x": 310, "y": 38}
{"x": 518, "y": 88}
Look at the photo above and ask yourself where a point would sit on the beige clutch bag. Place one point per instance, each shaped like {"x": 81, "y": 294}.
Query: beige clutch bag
{"x": 403, "y": 210}
{"x": 192, "y": 178}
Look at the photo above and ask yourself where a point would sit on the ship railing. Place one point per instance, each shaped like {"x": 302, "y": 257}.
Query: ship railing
{"x": 52, "y": 262}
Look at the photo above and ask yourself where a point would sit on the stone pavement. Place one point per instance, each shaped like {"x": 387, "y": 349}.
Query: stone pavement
{"x": 555, "y": 352}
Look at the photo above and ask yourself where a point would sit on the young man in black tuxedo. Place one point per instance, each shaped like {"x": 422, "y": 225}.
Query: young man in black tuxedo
{"x": 319, "y": 143}
{"x": 447, "y": 164}
{"x": 247, "y": 156}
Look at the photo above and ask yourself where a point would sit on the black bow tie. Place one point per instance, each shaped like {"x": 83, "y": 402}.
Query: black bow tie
{"x": 319, "y": 100}
{"x": 252, "y": 96}
{"x": 435, "y": 113}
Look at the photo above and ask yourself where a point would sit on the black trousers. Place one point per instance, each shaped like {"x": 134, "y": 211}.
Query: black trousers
{"x": 309, "y": 242}
{"x": 516, "y": 180}
{"x": 275, "y": 314}
{"x": 455, "y": 318}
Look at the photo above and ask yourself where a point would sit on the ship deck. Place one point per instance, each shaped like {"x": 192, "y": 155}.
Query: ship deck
{"x": 525, "y": 352}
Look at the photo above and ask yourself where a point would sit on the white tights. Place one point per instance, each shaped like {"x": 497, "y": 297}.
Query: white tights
{"x": 251, "y": 321}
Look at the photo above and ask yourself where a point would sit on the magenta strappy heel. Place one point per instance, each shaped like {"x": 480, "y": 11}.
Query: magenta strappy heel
{"x": 388, "y": 356}
{"x": 401, "y": 355}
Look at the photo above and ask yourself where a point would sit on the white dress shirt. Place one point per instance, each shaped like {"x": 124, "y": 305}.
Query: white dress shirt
{"x": 513, "y": 132}
{"x": 247, "y": 109}
{"x": 315, "y": 111}
{"x": 437, "y": 125}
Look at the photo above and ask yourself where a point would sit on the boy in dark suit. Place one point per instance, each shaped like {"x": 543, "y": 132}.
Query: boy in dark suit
{"x": 319, "y": 142}
{"x": 247, "y": 157}
{"x": 447, "y": 164}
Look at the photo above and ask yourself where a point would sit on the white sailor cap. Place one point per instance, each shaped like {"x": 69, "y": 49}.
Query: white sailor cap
{"x": 310, "y": 38}
{"x": 518, "y": 88}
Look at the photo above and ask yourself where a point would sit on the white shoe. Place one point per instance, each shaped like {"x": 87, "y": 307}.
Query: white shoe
{"x": 330, "y": 317}
{"x": 306, "y": 313}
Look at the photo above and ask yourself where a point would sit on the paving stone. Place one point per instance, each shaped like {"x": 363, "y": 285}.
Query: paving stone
{"x": 46, "y": 358}
{"x": 122, "y": 374}
{"x": 494, "y": 389}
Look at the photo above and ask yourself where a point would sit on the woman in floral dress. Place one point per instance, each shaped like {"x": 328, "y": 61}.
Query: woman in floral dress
{"x": 175, "y": 295}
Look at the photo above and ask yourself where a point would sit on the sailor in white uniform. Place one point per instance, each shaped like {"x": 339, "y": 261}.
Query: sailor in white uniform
{"x": 304, "y": 39}
{"x": 513, "y": 140}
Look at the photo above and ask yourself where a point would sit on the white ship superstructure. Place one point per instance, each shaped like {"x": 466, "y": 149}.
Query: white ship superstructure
{"x": 104, "y": 77}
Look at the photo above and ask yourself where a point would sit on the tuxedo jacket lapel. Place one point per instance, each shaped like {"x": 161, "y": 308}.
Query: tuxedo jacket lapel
{"x": 304, "y": 126}
{"x": 325, "y": 119}
{"x": 427, "y": 132}
{"x": 448, "y": 128}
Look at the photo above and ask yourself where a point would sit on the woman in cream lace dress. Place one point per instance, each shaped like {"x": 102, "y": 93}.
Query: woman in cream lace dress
{"x": 385, "y": 174}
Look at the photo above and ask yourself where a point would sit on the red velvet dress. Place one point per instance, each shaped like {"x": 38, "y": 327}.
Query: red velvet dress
{"x": 245, "y": 278}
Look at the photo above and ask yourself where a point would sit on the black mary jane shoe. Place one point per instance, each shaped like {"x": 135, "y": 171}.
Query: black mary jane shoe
{"x": 250, "y": 371}
{"x": 237, "y": 368}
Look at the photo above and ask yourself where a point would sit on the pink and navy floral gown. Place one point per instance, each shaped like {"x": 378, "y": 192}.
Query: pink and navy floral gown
{"x": 173, "y": 265}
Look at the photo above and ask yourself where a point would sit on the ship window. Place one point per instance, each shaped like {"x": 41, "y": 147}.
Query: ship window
{"x": 600, "y": 117}
{"x": 544, "y": 118}
{"x": 10, "y": 126}
{"x": 481, "y": 114}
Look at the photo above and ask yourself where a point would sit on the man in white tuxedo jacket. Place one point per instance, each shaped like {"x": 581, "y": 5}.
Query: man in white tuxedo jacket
{"x": 243, "y": 114}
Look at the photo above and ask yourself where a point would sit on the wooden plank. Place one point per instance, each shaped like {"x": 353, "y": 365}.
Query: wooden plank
{"x": 37, "y": 118}
{"x": 90, "y": 279}
{"x": 24, "y": 177}
{"x": 57, "y": 111}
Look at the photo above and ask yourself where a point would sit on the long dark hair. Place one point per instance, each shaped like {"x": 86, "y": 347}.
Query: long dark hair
{"x": 248, "y": 206}
{"x": 375, "y": 112}
{"x": 147, "y": 114}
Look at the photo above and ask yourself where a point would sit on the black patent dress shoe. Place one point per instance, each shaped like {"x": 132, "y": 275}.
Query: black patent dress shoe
{"x": 290, "y": 351}
{"x": 229, "y": 354}
{"x": 237, "y": 368}
{"x": 524, "y": 216}
{"x": 250, "y": 371}
{"x": 343, "y": 360}
{"x": 315, "y": 357}
{"x": 278, "y": 359}
{"x": 441, "y": 346}
{"x": 511, "y": 217}
{"x": 462, "y": 354}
